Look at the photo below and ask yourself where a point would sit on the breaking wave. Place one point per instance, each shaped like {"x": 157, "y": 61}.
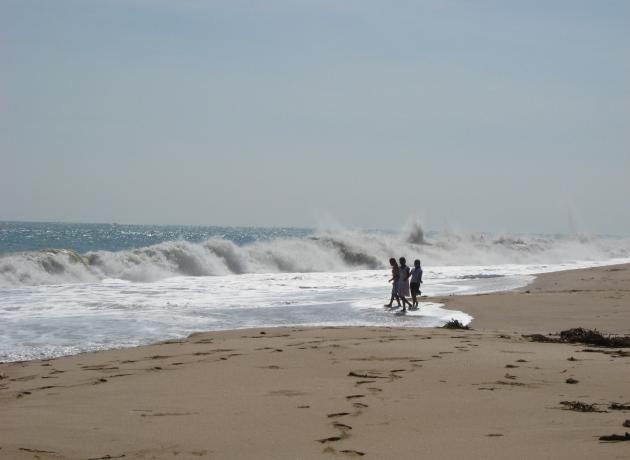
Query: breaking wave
{"x": 321, "y": 252}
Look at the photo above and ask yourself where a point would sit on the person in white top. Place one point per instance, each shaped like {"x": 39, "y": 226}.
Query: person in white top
{"x": 403, "y": 284}
{"x": 416, "y": 281}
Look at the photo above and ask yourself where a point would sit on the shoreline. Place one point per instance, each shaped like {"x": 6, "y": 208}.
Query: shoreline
{"x": 124, "y": 333}
{"x": 343, "y": 392}
{"x": 551, "y": 301}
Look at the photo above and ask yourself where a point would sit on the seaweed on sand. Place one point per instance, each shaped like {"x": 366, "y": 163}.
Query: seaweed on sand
{"x": 615, "y": 353}
{"x": 585, "y": 336}
{"x": 580, "y": 406}
{"x": 594, "y": 337}
{"x": 541, "y": 338}
{"x": 455, "y": 324}
{"x": 617, "y": 406}
{"x": 616, "y": 437}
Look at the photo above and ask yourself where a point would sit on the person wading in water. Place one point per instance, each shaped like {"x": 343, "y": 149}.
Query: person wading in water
{"x": 403, "y": 284}
{"x": 394, "y": 281}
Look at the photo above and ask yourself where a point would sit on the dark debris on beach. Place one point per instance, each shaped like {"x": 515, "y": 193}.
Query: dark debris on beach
{"x": 585, "y": 336}
{"x": 580, "y": 406}
{"x": 615, "y": 437}
{"x": 455, "y": 324}
{"x": 617, "y": 406}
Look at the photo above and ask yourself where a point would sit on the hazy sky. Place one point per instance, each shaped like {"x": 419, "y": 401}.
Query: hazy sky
{"x": 480, "y": 115}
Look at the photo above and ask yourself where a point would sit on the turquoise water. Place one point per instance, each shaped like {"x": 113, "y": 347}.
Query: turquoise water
{"x": 34, "y": 236}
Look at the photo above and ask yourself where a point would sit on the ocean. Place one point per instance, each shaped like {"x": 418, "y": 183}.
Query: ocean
{"x": 69, "y": 288}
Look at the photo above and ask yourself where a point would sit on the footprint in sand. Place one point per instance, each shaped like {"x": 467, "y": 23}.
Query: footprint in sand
{"x": 108, "y": 457}
{"x": 331, "y": 439}
{"x": 286, "y": 393}
{"x": 355, "y": 396}
{"x": 26, "y": 378}
{"x": 37, "y": 451}
{"x": 337, "y": 414}
{"x": 204, "y": 341}
{"x": 365, "y": 375}
{"x": 341, "y": 426}
{"x": 352, "y": 453}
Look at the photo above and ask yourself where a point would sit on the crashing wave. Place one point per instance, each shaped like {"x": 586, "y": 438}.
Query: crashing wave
{"x": 414, "y": 233}
{"x": 332, "y": 251}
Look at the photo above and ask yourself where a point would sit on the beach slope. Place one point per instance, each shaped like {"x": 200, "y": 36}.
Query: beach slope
{"x": 294, "y": 393}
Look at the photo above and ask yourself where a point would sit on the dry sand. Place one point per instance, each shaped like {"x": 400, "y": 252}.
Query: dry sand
{"x": 381, "y": 393}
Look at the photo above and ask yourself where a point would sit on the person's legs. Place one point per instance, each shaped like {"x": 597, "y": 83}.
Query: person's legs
{"x": 391, "y": 300}
{"x": 394, "y": 296}
{"x": 415, "y": 293}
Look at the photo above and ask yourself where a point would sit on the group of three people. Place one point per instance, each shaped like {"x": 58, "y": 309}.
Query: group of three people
{"x": 405, "y": 281}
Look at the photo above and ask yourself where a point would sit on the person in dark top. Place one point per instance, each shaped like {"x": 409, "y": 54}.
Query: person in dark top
{"x": 394, "y": 281}
{"x": 416, "y": 281}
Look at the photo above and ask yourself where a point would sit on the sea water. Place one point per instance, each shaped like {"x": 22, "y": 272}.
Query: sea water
{"x": 68, "y": 288}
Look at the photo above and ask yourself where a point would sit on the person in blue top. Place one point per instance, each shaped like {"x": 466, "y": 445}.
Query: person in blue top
{"x": 416, "y": 281}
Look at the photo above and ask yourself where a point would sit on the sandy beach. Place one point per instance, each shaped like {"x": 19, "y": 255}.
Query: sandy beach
{"x": 306, "y": 393}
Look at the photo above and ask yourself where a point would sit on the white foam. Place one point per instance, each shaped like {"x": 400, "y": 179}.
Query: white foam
{"x": 52, "y": 320}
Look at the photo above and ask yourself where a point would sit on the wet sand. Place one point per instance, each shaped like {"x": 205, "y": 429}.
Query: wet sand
{"x": 302, "y": 393}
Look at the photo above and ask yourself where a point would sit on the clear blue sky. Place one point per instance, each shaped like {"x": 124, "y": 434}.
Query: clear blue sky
{"x": 486, "y": 115}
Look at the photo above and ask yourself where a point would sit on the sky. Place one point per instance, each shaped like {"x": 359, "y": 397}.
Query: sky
{"x": 469, "y": 115}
